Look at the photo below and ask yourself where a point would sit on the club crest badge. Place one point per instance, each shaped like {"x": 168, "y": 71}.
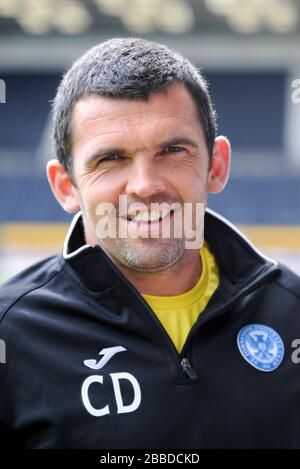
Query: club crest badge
{"x": 261, "y": 346}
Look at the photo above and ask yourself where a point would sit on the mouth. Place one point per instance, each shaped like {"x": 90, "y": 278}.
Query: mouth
{"x": 151, "y": 217}
{"x": 154, "y": 224}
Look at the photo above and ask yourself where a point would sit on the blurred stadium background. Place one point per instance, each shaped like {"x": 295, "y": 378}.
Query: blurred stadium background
{"x": 248, "y": 50}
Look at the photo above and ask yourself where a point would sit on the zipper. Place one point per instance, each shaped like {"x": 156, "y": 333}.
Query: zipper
{"x": 188, "y": 370}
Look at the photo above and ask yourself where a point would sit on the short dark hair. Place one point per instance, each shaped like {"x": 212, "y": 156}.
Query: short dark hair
{"x": 130, "y": 68}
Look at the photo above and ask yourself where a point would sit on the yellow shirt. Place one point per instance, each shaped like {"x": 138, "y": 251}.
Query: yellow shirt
{"x": 178, "y": 313}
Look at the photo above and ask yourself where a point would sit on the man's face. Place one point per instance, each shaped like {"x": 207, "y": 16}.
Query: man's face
{"x": 150, "y": 151}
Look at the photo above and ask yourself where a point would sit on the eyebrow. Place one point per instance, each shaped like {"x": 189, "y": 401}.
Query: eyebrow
{"x": 179, "y": 141}
{"x": 105, "y": 151}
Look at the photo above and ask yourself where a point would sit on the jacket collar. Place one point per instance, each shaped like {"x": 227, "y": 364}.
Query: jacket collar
{"x": 241, "y": 265}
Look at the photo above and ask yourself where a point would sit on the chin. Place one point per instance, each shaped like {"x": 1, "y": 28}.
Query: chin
{"x": 151, "y": 259}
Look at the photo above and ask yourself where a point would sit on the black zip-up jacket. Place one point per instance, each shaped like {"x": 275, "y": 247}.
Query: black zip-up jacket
{"x": 89, "y": 365}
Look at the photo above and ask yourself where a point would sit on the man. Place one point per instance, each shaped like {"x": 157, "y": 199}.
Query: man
{"x": 132, "y": 339}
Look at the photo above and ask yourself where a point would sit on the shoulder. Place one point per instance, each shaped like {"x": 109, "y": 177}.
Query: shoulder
{"x": 35, "y": 277}
{"x": 280, "y": 298}
{"x": 288, "y": 283}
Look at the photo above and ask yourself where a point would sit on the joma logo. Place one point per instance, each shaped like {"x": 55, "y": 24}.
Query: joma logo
{"x": 115, "y": 378}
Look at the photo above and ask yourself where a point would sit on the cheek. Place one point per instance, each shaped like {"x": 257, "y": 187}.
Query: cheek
{"x": 98, "y": 190}
{"x": 190, "y": 179}
{"x": 194, "y": 192}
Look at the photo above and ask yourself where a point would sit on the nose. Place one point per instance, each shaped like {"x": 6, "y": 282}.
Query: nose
{"x": 145, "y": 179}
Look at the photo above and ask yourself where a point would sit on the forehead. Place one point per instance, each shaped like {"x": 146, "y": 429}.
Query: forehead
{"x": 98, "y": 115}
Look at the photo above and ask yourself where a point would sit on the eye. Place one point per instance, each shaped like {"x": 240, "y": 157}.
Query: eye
{"x": 112, "y": 157}
{"x": 173, "y": 149}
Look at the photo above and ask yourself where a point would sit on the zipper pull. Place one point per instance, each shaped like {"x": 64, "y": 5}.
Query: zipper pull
{"x": 188, "y": 369}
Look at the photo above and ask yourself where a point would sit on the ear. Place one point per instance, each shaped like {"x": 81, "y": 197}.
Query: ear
{"x": 62, "y": 186}
{"x": 220, "y": 166}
